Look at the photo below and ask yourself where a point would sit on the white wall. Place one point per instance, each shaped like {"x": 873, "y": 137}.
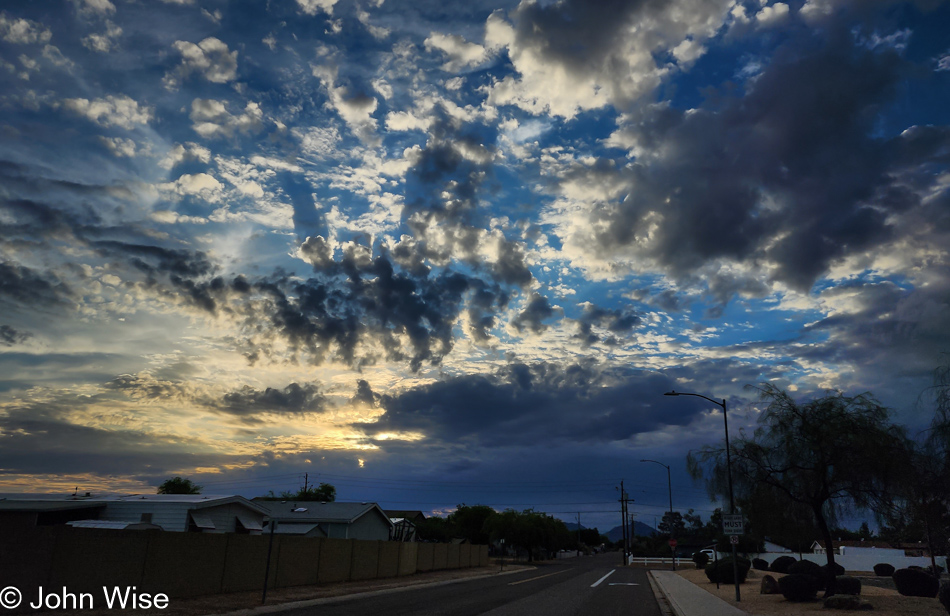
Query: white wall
{"x": 852, "y": 560}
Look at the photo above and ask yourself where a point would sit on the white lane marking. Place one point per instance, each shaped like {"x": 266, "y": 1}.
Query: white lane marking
{"x": 597, "y": 583}
{"x": 622, "y": 584}
{"x": 536, "y": 578}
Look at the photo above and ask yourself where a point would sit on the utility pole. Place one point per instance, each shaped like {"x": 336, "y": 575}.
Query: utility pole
{"x": 623, "y": 521}
{"x": 579, "y": 534}
{"x": 305, "y": 478}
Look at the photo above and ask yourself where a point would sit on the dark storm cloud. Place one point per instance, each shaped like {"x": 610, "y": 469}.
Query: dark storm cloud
{"x": 790, "y": 174}
{"x": 23, "y": 286}
{"x": 617, "y": 322}
{"x": 10, "y": 336}
{"x": 444, "y": 193}
{"x": 365, "y": 394}
{"x": 293, "y": 399}
{"x": 359, "y": 297}
{"x": 534, "y": 314}
{"x": 40, "y": 439}
{"x": 542, "y": 403}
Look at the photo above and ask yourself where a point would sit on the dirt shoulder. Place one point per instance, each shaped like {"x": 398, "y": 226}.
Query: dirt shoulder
{"x": 886, "y": 602}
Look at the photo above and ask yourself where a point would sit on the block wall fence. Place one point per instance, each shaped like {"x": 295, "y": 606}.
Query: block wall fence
{"x": 183, "y": 565}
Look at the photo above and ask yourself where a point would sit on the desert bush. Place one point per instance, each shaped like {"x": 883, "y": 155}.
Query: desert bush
{"x": 847, "y": 585}
{"x": 839, "y": 570}
{"x": 769, "y": 586}
{"x": 760, "y": 564}
{"x": 700, "y": 558}
{"x": 781, "y": 564}
{"x": 807, "y": 567}
{"x": 798, "y": 587}
{"x": 915, "y": 583}
{"x": 884, "y": 569}
{"x": 936, "y": 571}
{"x": 944, "y": 595}
{"x": 722, "y": 571}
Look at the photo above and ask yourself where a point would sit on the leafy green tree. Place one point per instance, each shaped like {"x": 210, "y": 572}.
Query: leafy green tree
{"x": 434, "y": 530}
{"x": 469, "y": 522}
{"x": 530, "y": 531}
{"x": 177, "y": 485}
{"x": 323, "y": 493}
{"x": 825, "y": 456}
{"x": 679, "y": 525}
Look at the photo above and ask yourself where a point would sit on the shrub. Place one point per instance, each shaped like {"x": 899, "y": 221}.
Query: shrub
{"x": 936, "y": 571}
{"x": 769, "y": 586}
{"x": 944, "y": 595}
{"x": 884, "y": 569}
{"x": 700, "y": 558}
{"x": 722, "y": 571}
{"x": 798, "y": 587}
{"x": 807, "y": 567}
{"x": 915, "y": 583}
{"x": 781, "y": 564}
{"x": 847, "y": 585}
{"x": 760, "y": 565}
{"x": 839, "y": 570}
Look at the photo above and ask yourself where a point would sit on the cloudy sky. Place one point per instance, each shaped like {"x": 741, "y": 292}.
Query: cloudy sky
{"x": 439, "y": 252}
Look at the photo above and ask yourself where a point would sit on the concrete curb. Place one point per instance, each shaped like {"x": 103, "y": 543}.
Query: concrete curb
{"x": 660, "y": 592}
{"x": 293, "y": 605}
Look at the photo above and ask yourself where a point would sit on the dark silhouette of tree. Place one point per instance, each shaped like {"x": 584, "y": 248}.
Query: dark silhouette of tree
{"x": 177, "y": 485}
{"x": 323, "y": 493}
{"x": 825, "y": 456}
{"x": 469, "y": 522}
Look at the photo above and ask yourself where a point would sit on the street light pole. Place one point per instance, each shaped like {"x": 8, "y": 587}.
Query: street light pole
{"x": 669, "y": 484}
{"x": 732, "y": 501}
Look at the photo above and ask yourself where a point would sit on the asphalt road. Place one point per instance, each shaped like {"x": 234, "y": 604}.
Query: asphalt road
{"x": 578, "y": 586}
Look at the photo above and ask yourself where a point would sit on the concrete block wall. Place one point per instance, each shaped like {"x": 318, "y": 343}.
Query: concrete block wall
{"x": 183, "y": 565}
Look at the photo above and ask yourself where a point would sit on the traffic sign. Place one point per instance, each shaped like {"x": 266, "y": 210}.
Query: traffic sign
{"x": 672, "y": 543}
{"x": 732, "y": 524}
{"x": 734, "y": 539}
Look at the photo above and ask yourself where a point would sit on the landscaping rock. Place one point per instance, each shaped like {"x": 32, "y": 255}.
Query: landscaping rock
{"x": 846, "y": 602}
{"x": 769, "y": 586}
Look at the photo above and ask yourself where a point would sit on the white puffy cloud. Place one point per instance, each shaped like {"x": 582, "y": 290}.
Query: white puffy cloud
{"x": 356, "y": 108}
{"x": 378, "y": 32}
{"x": 461, "y": 53}
{"x": 570, "y": 57}
{"x": 110, "y": 111}
{"x": 312, "y": 7}
{"x": 119, "y": 146}
{"x": 201, "y": 184}
{"x": 943, "y": 61}
{"x": 23, "y": 31}
{"x": 210, "y": 58}
{"x": 102, "y": 7}
{"x": 773, "y": 14}
{"x": 212, "y": 119}
{"x": 181, "y": 153}
{"x": 105, "y": 41}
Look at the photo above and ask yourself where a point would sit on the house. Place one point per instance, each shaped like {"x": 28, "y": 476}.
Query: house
{"x": 880, "y": 547}
{"x": 207, "y": 513}
{"x": 333, "y": 519}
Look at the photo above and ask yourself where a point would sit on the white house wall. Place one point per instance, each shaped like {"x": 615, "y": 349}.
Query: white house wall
{"x": 370, "y": 526}
{"x": 170, "y": 516}
{"x": 852, "y": 560}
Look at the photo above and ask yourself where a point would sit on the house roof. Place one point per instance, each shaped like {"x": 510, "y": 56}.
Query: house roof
{"x": 314, "y": 512}
{"x": 403, "y": 513}
{"x": 62, "y": 502}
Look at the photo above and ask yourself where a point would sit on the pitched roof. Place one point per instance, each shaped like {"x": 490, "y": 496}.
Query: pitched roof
{"x": 312, "y": 511}
{"x": 54, "y": 502}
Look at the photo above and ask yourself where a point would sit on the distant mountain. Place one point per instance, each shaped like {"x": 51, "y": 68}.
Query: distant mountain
{"x": 639, "y": 528}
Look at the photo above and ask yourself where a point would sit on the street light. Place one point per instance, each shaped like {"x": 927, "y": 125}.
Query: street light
{"x": 669, "y": 484}
{"x": 732, "y": 501}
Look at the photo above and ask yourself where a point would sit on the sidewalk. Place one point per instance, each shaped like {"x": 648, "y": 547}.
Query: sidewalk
{"x": 687, "y": 599}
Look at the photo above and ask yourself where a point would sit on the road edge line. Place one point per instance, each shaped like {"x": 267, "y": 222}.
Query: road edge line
{"x": 293, "y": 605}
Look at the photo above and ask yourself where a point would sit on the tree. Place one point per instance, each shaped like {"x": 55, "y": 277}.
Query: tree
{"x": 177, "y": 485}
{"x": 324, "y": 493}
{"x": 679, "y": 525}
{"x": 825, "y": 456}
{"x": 469, "y": 522}
{"x": 919, "y": 509}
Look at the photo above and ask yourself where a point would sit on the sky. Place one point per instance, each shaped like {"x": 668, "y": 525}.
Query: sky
{"x": 455, "y": 252}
